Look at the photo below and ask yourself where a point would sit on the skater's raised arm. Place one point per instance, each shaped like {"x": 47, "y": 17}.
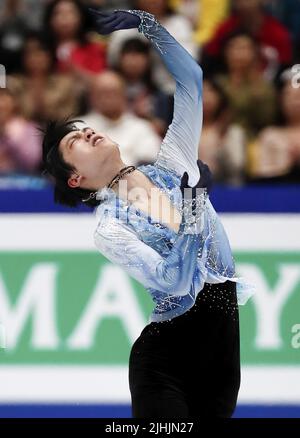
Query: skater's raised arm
{"x": 179, "y": 149}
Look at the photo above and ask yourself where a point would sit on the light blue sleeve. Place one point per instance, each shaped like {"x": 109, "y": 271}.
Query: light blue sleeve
{"x": 171, "y": 274}
{"x": 179, "y": 149}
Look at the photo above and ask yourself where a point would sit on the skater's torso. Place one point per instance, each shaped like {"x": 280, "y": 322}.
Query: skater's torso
{"x": 154, "y": 203}
{"x": 215, "y": 263}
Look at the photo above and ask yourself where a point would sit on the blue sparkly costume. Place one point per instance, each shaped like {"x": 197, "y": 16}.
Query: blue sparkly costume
{"x": 172, "y": 266}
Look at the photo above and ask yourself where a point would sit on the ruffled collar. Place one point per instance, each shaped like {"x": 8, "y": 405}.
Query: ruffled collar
{"x": 106, "y": 193}
{"x": 109, "y": 196}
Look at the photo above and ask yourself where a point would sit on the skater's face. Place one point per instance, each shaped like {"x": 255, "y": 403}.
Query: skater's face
{"x": 91, "y": 154}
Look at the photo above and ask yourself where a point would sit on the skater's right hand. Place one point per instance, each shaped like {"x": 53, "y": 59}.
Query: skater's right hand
{"x": 108, "y": 22}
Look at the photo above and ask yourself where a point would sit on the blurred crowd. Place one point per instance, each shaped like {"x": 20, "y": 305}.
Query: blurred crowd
{"x": 58, "y": 66}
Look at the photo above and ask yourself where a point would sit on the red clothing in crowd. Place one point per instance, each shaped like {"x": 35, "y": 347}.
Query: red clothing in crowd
{"x": 91, "y": 57}
{"x": 271, "y": 34}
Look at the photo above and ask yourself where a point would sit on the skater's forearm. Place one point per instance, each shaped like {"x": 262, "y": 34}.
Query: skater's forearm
{"x": 182, "y": 66}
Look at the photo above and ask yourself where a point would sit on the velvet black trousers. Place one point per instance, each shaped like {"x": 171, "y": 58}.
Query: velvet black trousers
{"x": 189, "y": 366}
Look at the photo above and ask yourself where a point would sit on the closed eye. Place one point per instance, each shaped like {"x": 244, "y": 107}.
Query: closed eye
{"x": 73, "y": 139}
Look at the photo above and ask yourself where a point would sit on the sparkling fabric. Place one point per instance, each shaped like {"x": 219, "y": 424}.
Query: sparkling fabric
{"x": 172, "y": 266}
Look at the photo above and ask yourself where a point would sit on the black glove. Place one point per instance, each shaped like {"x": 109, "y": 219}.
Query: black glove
{"x": 205, "y": 180}
{"x": 108, "y": 22}
{"x": 194, "y": 200}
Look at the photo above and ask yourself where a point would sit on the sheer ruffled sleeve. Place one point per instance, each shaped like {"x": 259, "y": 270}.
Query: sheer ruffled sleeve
{"x": 171, "y": 274}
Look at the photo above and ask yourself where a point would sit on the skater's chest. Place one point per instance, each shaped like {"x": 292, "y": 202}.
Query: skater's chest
{"x": 157, "y": 206}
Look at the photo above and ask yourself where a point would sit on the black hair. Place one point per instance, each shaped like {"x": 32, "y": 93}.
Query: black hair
{"x": 56, "y": 167}
{"x": 86, "y": 22}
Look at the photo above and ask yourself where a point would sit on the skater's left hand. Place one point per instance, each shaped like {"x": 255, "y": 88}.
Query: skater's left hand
{"x": 108, "y": 22}
{"x": 205, "y": 180}
{"x": 194, "y": 199}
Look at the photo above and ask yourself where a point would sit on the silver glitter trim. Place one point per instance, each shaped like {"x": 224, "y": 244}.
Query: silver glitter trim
{"x": 149, "y": 26}
{"x": 192, "y": 212}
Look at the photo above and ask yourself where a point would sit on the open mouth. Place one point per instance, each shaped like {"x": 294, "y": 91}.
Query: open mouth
{"x": 97, "y": 139}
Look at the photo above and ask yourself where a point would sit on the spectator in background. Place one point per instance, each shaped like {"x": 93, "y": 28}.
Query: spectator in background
{"x": 222, "y": 145}
{"x": 178, "y": 26}
{"x": 67, "y": 24}
{"x": 276, "y": 152}
{"x": 109, "y": 114}
{"x": 13, "y": 29}
{"x": 42, "y": 94}
{"x": 188, "y": 8}
{"x": 211, "y": 14}
{"x": 288, "y": 13}
{"x": 20, "y": 148}
{"x": 33, "y": 13}
{"x": 143, "y": 96}
{"x": 252, "y": 99}
{"x": 273, "y": 38}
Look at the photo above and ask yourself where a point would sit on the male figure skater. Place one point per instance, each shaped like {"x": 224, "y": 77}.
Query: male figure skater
{"x": 186, "y": 361}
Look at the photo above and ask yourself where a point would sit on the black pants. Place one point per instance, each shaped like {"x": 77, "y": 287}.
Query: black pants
{"x": 189, "y": 366}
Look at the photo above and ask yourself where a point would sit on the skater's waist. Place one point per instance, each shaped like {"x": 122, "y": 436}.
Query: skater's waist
{"x": 215, "y": 295}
